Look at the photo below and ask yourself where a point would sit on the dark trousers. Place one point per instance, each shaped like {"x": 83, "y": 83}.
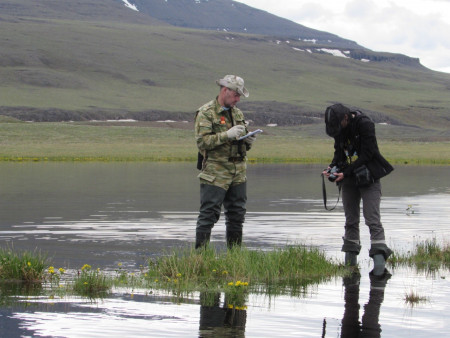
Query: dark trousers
{"x": 371, "y": 198}
{"x": 211, "y": 200}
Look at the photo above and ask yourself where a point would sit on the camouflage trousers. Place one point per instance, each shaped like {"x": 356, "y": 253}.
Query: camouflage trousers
{"x": 222, "y": 187}
{"x": 223, "y": 174}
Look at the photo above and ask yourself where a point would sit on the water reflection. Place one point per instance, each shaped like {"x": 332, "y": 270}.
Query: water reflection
{"x": 221, "y": 319}
{"x": 11, "y": 292}
{"x": 140, "y": 312}
{"x": 103, "y": 214}
{"x": 369, "y": 326}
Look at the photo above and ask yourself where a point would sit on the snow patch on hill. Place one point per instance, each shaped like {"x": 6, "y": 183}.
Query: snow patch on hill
{"x": 130, "y": 5}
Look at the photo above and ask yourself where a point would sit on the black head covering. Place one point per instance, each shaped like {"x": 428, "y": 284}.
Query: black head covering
{"x": 333, "y": 116}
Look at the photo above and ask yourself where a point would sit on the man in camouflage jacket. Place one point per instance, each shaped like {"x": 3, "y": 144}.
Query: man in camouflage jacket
{"x": 222, "y": 161}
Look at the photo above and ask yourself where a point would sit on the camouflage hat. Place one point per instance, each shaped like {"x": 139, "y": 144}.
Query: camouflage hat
{"x": 234, "y": 82}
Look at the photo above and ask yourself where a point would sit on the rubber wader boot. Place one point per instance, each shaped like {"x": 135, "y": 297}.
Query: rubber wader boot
{"x": 202, "y": 239}
{"x": 351, "y": 249}
{"x": 379, "y": 253}
{"x": 379, "y": 264}
{"x": 234, "y": 238}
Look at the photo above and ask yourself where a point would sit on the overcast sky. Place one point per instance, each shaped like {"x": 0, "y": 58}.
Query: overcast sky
{"x": 417, "y": 28}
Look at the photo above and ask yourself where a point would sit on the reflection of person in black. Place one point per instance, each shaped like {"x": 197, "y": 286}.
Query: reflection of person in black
{"x": 369, "y": 327}
{"x": 350, "y": 321}
{"x": 215, "y": 320}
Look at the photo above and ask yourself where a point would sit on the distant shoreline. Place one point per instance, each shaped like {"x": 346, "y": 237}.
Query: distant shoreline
{"x": 168, "y": 141}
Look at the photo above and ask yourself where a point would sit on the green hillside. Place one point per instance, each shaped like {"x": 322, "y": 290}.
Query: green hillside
{"x": 90, "y": 66}
{"x": 233, "y": 16}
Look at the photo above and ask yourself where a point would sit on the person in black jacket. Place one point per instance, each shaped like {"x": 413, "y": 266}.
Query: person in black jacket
{"x": 360, "y": 167}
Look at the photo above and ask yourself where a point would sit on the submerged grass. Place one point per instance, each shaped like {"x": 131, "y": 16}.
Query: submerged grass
{"x": 426, "y": 255}
{"x": 412, "y": 298}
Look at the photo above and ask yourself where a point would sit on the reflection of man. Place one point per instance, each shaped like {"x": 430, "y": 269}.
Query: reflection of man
{"x": 218, "y": 125}
{"x": 369, "y": 327}
{"x": 216, "y": 321}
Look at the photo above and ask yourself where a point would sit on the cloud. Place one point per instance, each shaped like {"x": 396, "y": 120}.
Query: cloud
{"x": 417, "y": 28}
{"x": 396, "y": 29}
{"x": 360, "y": 9}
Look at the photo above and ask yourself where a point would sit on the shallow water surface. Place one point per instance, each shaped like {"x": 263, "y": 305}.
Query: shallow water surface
{"x": 105, "y": 214}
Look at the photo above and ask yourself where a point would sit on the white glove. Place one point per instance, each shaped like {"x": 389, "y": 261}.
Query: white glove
{"x": 249, "y": 140}
{"x": 235, "y": 132}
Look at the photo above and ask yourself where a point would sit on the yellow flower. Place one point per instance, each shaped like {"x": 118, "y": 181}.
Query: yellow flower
{"x": 230, "y": 306}
{"x": 51, "y": 270}
{"x": 230, "y": 284}
{"x": 178, "y": 275}
{"x": 238, "y": 283}
{"x": 156, "y": 281}
{"x": 29, "y": 263}
{"x": 85, "y": 283}
{"x": 224, "y": 272}
{"x": 61, "y": 270}
{"x": 214, "y": 270}
{"x": 86, "y": 267}
{"x": 119, "y": 264}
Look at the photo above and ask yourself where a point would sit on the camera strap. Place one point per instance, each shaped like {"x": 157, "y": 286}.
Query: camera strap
{"x": 324, "y": 193}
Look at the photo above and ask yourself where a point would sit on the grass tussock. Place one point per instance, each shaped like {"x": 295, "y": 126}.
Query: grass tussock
{"x": 289, "y": 269}
{"x": 426, "y": 255}
{"x": 91, "y": 283}
{"x": 23, "y": 266}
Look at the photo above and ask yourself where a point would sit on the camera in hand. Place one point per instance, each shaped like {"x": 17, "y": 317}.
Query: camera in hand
{"x": 332, "y": 172}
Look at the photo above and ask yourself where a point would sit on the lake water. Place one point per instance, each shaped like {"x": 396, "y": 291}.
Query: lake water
{"x": 104, "y": 214}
